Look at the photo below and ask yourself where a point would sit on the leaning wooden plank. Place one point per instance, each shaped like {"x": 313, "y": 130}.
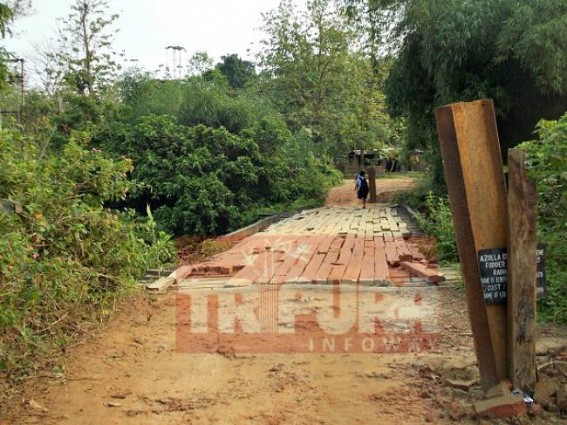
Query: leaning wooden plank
{"x": 423, "y": 271}
{"x": 161, "y": 284}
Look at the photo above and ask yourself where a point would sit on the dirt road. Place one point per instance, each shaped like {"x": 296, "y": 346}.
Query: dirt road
{"x": 345, "y": 194}
{"x": 133, "y": 372}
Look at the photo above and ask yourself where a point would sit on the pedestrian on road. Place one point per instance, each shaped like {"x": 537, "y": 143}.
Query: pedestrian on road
{"x": 361, "y": 187}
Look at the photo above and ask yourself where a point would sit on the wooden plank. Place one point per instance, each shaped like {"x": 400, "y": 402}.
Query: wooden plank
{"x": 308, "y": 246}
{"x": 325, "y": 244}
{"x": 392, "y": 253}
{"x": 267, "y": 269}
{"x": 367, "y": 267}
{"x": 336, "y": 244}
{"x": 322, "y": 275}
{"x": 289, "y": 260}
{"x": 310, "y": 272}
{"x": 522, "y": 272}
{"x": 416, "y": 254}
{"x": 421, "y": 270}
{"x": 352, "y": 271}
{"x": 475, "y": 181}
{"x": 250, "y": 272}
{"x": 381, "y": 269}
{"x": 393, "y": 224}
{"x": 305, "y": 273}
{"x": 338, "y": 270}
{"x": 161, "y": 284}
{"x": 402, "y": 249}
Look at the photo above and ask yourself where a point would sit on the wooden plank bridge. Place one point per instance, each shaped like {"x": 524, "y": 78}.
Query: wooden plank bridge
{"x": 347, "y": 245}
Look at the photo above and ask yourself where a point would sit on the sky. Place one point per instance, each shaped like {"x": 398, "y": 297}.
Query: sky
{"x": 147, "y": 27}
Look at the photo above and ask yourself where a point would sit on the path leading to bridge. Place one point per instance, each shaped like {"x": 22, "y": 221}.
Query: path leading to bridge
{"x": 142, "y": 368}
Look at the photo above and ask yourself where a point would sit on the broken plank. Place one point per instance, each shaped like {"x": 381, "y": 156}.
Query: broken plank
{"x": 392, "y": 253}
{"x": 420, "y": 270}
{"x": 403, "y": 251}
{"x": 161, "y": 284}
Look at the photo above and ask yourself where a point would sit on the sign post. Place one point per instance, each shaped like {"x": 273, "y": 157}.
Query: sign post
{"x": 372, "y": 184}
{"x": 477, "y": 190}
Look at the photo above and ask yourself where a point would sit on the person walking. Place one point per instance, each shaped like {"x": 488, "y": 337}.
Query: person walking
{"x": 361, "y": 187}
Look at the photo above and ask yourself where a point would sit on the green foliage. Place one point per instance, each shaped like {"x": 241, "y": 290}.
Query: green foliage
{"x": 64, "y": 258}
{"x": 85, "y": 62}
{"x": 207, "y": 181}
{"x": 142, "y": 95}
{"x": 209, "y": 103}
{"x": 547, "y": 164}
{"x": 6, "y": 15}
{"x": 510, "y": 51}
{"x": 322, "y": 81}
{"x": 437, "y": 221}
{"x": 237, "y": 72}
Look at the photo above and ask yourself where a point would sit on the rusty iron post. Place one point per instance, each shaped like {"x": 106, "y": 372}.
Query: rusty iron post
{"x": 477, "y": 190}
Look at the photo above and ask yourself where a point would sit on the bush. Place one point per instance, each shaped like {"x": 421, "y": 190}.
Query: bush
{"x": 64, "y": 258}
{"x": 209, "y": 181}
{"x": 546, "y": 160}
{"x": 438, "y": 222}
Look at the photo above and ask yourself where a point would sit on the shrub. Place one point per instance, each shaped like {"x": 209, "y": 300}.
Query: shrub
{"x": 64, "y": 258}
{"x": 438, "y": 222}
{"x": 209, "y": 181}
{"x": 546, "y": 160}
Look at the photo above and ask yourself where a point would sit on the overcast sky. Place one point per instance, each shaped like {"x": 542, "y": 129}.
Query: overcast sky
{"x": 147, "y": 27}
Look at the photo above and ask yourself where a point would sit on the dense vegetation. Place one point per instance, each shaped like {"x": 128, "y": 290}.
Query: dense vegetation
{"x": 449, "y": 51}
{"x": 547, "y": 162}
{"x": 102, "y": 167}
{"x": 64, "y": 257}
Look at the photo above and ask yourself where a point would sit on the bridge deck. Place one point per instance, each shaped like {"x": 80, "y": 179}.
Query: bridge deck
{"x": 371, "y": 246}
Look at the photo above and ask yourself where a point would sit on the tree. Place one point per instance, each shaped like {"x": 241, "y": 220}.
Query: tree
{"x": 6, "y": 15}
{"x": 510, "y": 51}
{"x": 86, "y": 59}
{"x": 237, "y": 72}
{"x": 320, "y": 79}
